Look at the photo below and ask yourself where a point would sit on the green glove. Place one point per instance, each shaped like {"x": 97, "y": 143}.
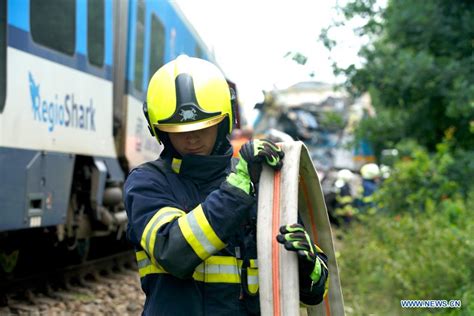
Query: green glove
{"x": 251, "y": 157}
{"x": 295, "y": 238}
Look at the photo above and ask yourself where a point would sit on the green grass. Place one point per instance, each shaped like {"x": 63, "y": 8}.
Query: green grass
{"x": 429, "y": 255}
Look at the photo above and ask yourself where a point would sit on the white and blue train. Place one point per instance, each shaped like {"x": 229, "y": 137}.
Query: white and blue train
{"x": 73, "y": 76}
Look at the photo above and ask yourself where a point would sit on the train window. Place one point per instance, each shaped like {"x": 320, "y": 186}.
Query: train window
{"x": 53, "y": 24}
{"x": 95, "y": 32}
{"x": 3, "y": 52}
{"x": 157, "y": 45}
{"x": 139, "y": 45}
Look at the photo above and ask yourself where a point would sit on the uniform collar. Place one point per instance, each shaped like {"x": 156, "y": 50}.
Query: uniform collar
{"x": 200, "y": 168}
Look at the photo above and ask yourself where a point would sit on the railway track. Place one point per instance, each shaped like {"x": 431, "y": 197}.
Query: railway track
{"x": 101, "y": 286}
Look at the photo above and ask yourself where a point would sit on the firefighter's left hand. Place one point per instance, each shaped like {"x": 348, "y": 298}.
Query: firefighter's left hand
{"x": 252, "y": 155}
{"x": 257, "y": 152}
{"x": 295, "y": 238}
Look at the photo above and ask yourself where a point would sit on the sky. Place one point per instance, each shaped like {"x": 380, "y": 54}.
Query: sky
{"x": 250, "y": 39}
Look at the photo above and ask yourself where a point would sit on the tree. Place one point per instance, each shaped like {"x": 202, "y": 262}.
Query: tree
{"x": 418, "y": 69}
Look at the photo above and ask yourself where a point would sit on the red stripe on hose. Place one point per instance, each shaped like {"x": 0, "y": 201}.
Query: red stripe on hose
{"x": 275, "y": 245}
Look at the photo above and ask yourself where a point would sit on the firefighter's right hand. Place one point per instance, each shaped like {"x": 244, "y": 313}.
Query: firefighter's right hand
{"x": 252, "y": 155}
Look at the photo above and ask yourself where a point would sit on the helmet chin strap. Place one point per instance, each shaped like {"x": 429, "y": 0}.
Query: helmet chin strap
{"x": 222, "y": 142}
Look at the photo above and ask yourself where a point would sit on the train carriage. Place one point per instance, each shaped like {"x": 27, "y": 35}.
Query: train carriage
{"x": 73, "y": 76}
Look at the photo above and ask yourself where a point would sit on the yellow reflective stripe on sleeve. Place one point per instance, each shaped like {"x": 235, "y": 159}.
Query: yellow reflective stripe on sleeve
{"x": 207, "y": 229}
{"x": 163, "y": 216}
{"x": 346, "y": 210}
{"x": 145, "y": 266}
{"x": 141, "y": 255}
{"x": 199, "y": 233}
{"x": 368, "y": 199}
{"x": 344, "y": 199}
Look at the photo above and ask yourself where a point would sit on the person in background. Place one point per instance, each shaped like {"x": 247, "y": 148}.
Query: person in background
{"x": 370, "y": 181}
{"x": 192, "y": 212}
{"x": 344, "y": 204}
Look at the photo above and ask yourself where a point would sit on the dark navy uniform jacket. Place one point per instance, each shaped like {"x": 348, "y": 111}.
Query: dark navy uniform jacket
{"x": 194, "y": 236}
{"x": 369, "y": 187}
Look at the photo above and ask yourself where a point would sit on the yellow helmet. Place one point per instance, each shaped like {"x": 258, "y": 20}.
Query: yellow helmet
{"x": 187, "y": 94}
{"x": 370, "y": 171}
{"x": 345, "y": 175}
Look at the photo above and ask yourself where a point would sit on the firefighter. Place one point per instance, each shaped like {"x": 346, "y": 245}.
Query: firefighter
{"x": 370, "y": 173}
{"x": 344, "y": 206}
{"x": 192, "y": 212}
